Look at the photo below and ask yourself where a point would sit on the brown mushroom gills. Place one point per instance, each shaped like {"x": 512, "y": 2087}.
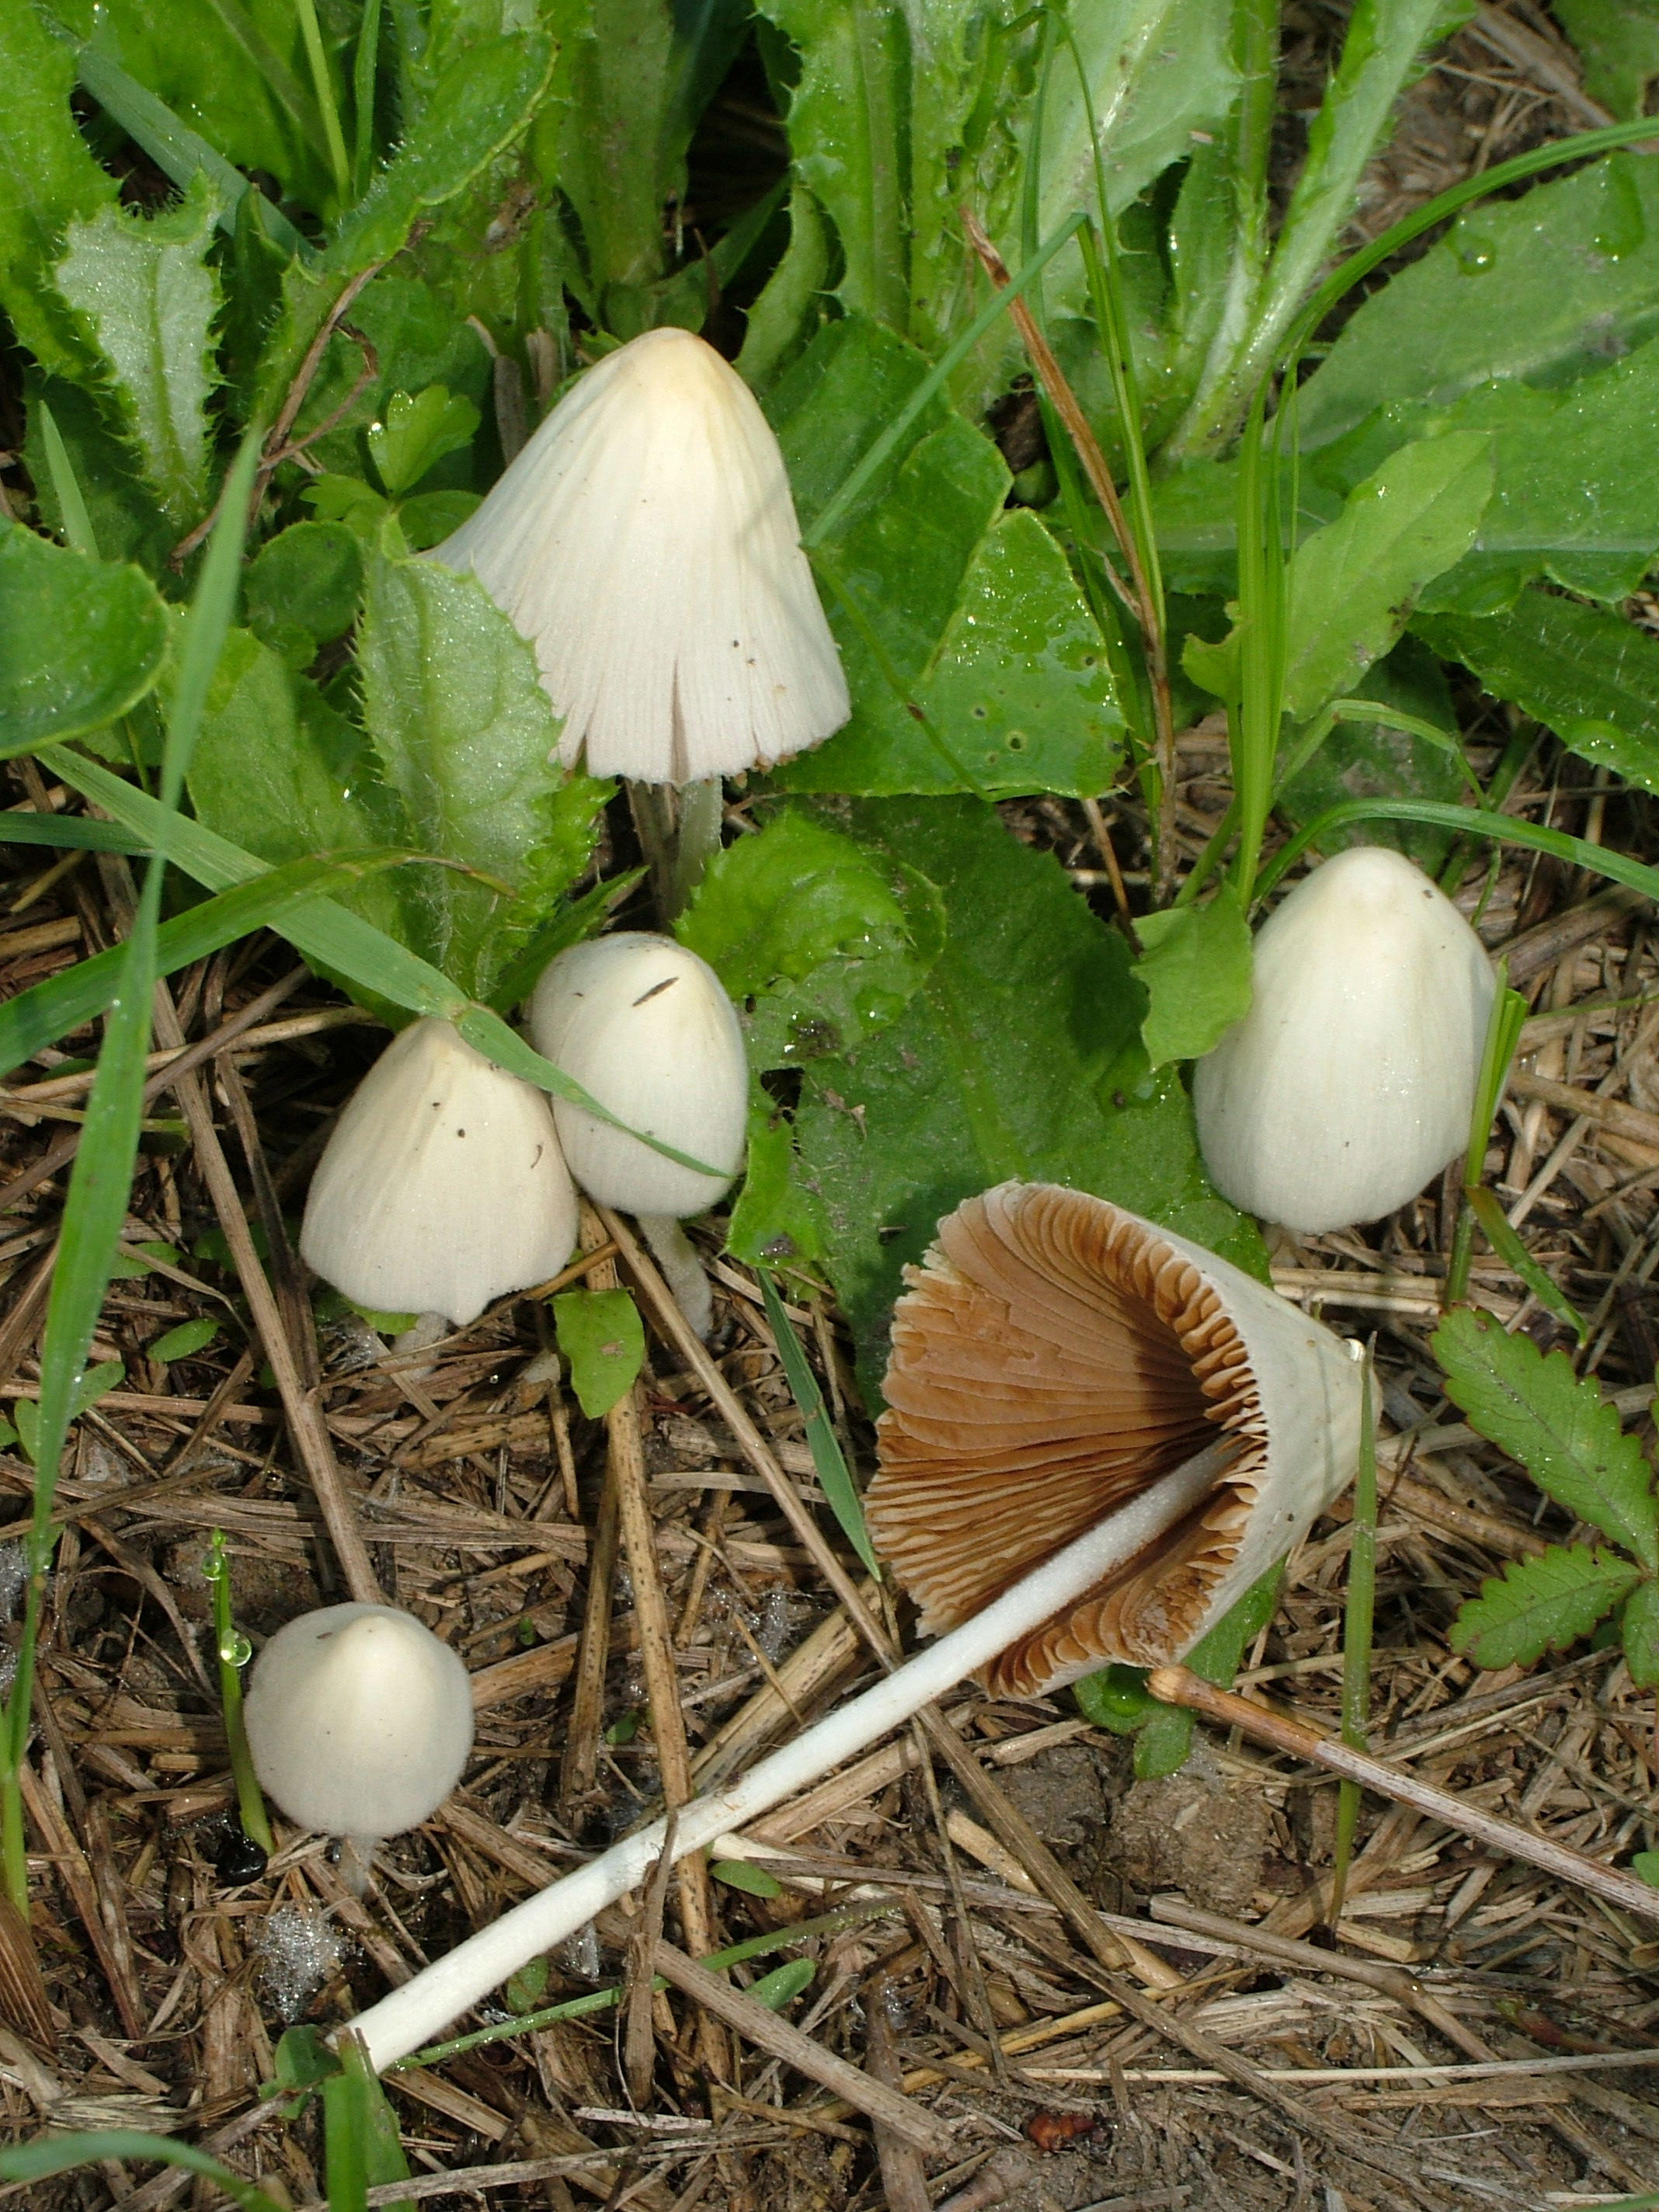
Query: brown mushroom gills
{"x": 1052, "y": 1358}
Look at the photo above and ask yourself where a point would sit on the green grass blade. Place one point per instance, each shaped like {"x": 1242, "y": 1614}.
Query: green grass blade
{"x": 1359, "y": 1622}
{"x": 51, "y": 1010}
{"x": 834, "y": 1477}
{"x": 364, "y": 65}
{"x": 71, "y": 832}
{"x": 66, "y": 487}
{"x": 1468, "y": 821}
{"x": 63, "y": 2153}
{"x": 331, "y": 938}
{"x": 177, "y": 150}
{"x": 323, "y": 86}
{"x": 1487, "y": 1209}
{"x": 824, "y": 524}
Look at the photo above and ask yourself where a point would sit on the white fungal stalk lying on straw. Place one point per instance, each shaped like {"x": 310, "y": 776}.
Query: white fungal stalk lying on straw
{"x": 410, "y": 2016}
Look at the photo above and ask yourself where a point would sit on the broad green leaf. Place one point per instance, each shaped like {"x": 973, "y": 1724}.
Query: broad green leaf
{"x": 479, "y": 104}
{"x": 48, "y": 179}
{"x": 1540, "y": 288}
{"x": 1591, "y": 676}
{"x": 775, "y": 1218}
{"x": 416, "y": 434}
{"x": 1618, "y": 43}
{"x": 1370, "y": 760}
{"x": 1560, "y": 1429}
{"x": 81, "y": 641}
{"x": 1019, "y": 1055}
{"x": 302, "y": 588}
{"x": 818, "y": 944}
{"x": 1566, "y": 503}
{"x": 753, "y": 1880}
{"x": 147, "y": 298}
{"x": 1195, "y": 969}
{"x": 1639, "y": 1625}
{"x": 418, "y": 340}
{"x": 1353, "y": 585}
{"x": 1541, "y": 1604}
{"x": 834, "y": 1478}
{"x": 1645, "y": 1866}
{"x": 972, "y": 611}
{"x": 465, "y": 737}
{"x": 601, "y": 1335}
{"x": 183, "y": 1342}
{"x": 61, "y": 2154}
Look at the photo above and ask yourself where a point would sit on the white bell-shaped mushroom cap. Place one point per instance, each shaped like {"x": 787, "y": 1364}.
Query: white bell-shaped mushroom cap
{"x": 442, "y": 1186}
{"x": 646, "y": 1028}
{"x": 645, "y": 542}
{"x": 1054, "y": 1359}
{"x": 1350, "y": 1080}
{"x": 360, "y": 1721}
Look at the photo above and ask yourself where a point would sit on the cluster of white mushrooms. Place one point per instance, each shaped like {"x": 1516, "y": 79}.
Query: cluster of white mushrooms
{"x": 1097, "y": 1435}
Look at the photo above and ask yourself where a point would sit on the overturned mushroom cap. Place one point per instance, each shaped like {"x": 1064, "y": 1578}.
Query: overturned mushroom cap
{"x": 1350, "y": 1080}
{"x": 646, "y": 1028}
{"x": 1055, "y": 1357}
{"x": 360, "y": 1721}
{"x": 645, "y": 542}
{"x": 442, "y": 1186}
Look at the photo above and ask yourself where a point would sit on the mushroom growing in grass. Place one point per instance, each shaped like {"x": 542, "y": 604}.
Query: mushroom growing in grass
{"x": 442, "y": 1186}
{"x": 647, "y": 1029}
{"x": 1350, "y": 1080}
{"x": 1100, "y": 1434}
{"x": 360, "y": 1721}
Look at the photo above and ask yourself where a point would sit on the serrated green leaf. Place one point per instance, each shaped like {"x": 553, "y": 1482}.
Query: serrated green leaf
{"x": 148, "y": 297}
{"x": 1561, "y": 1430}
{"x": 417, "y": 432}
{"x": 601, "y": 1335}
{"x": 81, "y": 641}
{"x": 1195, "y": 968}
{"x": 465, "y": 737}
{"x": 48, "y": 179}
{"x": 1640, "y": 1628}
{"x": 1541, "y": 1604}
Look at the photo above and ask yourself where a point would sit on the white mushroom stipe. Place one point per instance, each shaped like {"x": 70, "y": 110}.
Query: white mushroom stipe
{"x": 360, "y": 1722}
{"x": 647, "y": 1029}
{"x": 645, "y": 542}
{"x": 1350, "y": 1080}
{"x": 682, "y": 1269}
{"x": 424, "y": 2006}
{"x": 442, "y": 1186}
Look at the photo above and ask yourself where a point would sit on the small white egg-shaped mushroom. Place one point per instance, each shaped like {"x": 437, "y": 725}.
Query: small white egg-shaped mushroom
{"x": 647, "y": 1029}
{"x": 359, "y": 1720}
{"x": 442, "y": 1186}
{"x": 645, "y": 542}
{"x": 1350, "y": 1080}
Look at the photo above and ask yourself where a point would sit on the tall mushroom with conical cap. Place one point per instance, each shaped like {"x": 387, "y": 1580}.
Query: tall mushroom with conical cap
{"x": 645, "y": 542}
{"x": 1056, "y": 1361}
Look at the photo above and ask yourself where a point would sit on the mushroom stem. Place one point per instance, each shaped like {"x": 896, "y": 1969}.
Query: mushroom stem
{"x": 679, "y": 833}
{"x": 682, "y": 1269}
{"x": 409, "y": 2017}
{"x": 356, "y": 1861}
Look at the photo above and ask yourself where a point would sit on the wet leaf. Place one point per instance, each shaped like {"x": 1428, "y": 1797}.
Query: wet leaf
{"x": 81, "y": 641}
{"x": 601, "y": 1335}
